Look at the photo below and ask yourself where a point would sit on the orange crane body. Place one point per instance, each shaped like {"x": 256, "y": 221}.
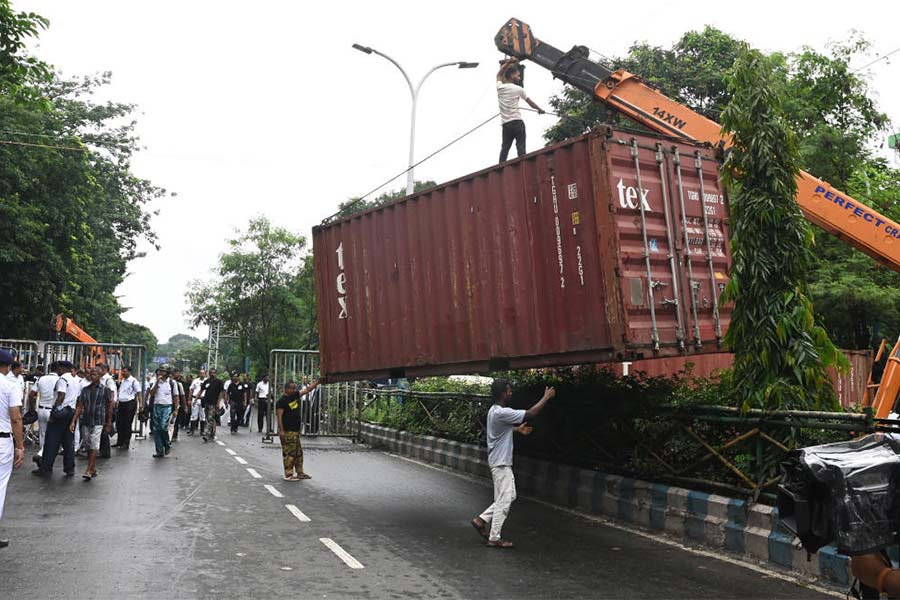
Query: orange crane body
{"x": 889, "y": 388}
{"x": 66, "y": 326}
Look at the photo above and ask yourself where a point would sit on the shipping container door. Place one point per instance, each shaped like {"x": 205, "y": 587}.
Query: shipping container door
{"x": 700, "y": 205}
{"x": 672, "y": 257}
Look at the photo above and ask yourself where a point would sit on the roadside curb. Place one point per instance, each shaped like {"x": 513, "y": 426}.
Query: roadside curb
{"x": 716, "y": 522}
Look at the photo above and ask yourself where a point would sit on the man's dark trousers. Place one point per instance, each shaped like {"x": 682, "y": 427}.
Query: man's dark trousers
{"x": 237, "y": 413}
{"x": 514, "y": 130}
{"x": 124, "y": 419}
{"x": 58, "y": 434}
{"x": 262, "y": 409}
{"x": 182, "y": 421}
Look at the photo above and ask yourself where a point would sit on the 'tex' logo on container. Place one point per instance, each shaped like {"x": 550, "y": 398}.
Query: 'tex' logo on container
{"x": 628, "y": 196}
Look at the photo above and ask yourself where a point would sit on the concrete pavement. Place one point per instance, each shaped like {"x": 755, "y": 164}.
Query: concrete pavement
{"x": 202, "y": 523}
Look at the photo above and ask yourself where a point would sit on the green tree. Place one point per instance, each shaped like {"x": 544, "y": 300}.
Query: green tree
{"x": 255, "y": 292}
{"x": 831, "y": 110}
{"x": 20, "y": 73}
{"x": 131, "y": 333}
{"x": 781, "y": 354}
{"x": 358, "y": 205}
{"x": 178, "y": 343}
{"x": 71, "y": 211}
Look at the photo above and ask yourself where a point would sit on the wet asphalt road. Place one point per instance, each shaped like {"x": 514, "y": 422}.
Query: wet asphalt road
{"x": 198, "y": 524}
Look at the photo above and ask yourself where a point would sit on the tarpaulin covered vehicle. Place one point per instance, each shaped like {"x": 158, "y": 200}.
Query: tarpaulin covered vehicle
{"x": 844, "y": 493}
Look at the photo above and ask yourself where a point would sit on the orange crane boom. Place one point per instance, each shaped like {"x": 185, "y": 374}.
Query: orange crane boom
{"x": 859, "y": 225}
{"x": 65, "y": 326}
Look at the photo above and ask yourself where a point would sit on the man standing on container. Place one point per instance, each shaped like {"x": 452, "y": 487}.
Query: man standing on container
{"x": 501, "y": 422}
{"x": 509, "y": 92}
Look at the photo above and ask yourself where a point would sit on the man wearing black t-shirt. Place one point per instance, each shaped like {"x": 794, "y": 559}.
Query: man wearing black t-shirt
{"x": 211, "y": 392}
{"x": 236, "y": 394}
{"x": 289, "y": 413}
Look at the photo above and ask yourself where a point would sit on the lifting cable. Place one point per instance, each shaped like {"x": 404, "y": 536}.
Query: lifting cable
{"x": 438, "y": 151}
{"x": 405, "y": 171}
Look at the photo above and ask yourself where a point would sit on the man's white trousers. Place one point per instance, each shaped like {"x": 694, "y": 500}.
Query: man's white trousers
{"x": 504, "y": 494}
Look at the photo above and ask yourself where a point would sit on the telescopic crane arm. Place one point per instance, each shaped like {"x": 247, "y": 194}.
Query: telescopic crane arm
{"x": 65, "y": 326}
{"x": 837, "y": 213}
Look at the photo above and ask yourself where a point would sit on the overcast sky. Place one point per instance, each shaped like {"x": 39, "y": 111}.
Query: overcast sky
{"x": 264, "y": 107}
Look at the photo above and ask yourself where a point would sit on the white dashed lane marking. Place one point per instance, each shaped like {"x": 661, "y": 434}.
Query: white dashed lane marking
{"x": 220, "y": 443}
{"x": 342, "y": 554}
{"x": 230, "y": 451}
{"x": 240, "y": 460}
{"x": 273, "y": 491}
{"x": 297, "y": 513}
{"x": 254, "y": 473}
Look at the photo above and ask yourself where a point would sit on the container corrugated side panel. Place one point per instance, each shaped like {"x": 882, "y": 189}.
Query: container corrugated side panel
{"x": 498, "y": 266}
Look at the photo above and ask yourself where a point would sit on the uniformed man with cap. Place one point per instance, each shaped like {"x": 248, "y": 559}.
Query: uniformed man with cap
{"x": 12, "y": 438}
{"x": 42, "y": 398}
{"x": 58, "y": 433}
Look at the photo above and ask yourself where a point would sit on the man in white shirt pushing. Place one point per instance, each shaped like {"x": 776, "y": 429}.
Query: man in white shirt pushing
{"x": 502, "y": 421}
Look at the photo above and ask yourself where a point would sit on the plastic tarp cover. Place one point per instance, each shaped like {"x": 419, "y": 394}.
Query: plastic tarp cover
{"x": 844, "y": 493}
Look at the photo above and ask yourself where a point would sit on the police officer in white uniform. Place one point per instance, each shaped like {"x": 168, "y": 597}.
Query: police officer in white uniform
{"x": 15, "y": 375}
{"x": 129, "y": 403}
{"x": 12, "y": 438}
{"x": 46, "y": 391}
{"x": 58, "y": 432}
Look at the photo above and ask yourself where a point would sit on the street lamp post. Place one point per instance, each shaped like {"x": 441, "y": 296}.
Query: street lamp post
{"x": 414, "y": 93}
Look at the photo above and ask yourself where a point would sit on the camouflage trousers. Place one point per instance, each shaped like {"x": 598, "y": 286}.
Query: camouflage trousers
{"x": 212, "y": 415}
{"x": 292, "y": 452}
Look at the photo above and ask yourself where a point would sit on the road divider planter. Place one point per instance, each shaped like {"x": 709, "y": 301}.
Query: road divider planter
{"x": 717, "y": 522}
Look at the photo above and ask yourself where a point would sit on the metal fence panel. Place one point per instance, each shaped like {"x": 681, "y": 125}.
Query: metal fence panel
{"x": 329, "y": 410}
{"x": 115, "y": 356}
{"x": 26, "y": 352}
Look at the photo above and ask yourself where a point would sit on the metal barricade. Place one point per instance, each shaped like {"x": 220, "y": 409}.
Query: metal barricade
{"x": 329, "y": 410}
{"x": 115, "y": 356}
{"x": 27, "y": 352}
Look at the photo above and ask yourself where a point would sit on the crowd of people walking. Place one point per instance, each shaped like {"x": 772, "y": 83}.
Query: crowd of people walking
{"x": 77, "y": 411}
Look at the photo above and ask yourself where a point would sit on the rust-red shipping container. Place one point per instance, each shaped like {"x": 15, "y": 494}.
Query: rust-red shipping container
{"x": 610, "y": 246}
